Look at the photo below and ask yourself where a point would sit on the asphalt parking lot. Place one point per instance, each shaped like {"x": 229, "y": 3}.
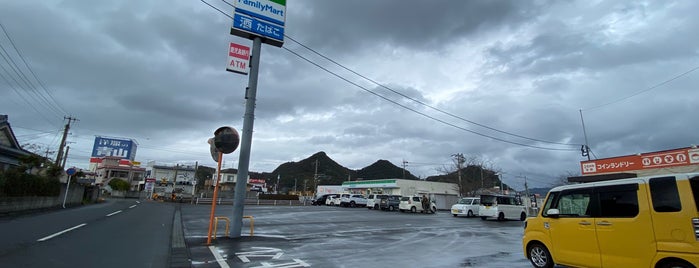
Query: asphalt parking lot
{"x": 322, "y": 236}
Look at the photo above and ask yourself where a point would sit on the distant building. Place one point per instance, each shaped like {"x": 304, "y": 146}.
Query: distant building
{"x": 171, "y": 175}
{"x": 681, "y": 160}
{"x": 10, "y": 150}
{"x": 110, "y": 167}
{"x": 443, "y": 193}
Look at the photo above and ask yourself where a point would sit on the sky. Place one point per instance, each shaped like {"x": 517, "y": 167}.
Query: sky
{"x": 414, "y": 82}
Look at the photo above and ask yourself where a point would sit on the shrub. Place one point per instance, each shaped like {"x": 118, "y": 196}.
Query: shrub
{"x": 15, "y": 183}
{"x": 119, "y": 184}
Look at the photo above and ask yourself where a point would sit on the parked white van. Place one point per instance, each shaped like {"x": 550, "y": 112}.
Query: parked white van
{"x": 639, "y": 222}
{"x": 502, "y": 207}
{"x": 467, "y": 206}
{"x": 372, "y": 201}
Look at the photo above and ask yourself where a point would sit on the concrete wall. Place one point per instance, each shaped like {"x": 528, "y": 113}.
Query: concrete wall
{"x": 19, "y": 204}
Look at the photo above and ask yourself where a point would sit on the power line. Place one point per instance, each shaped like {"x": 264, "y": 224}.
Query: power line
{"x": 644, "y": 90}
{"x": 26, "y": 84}
{"x": 421, "y": 113}
{"x": 29, "y": 103}
{"x": 420, "y": 102}
{"x": 401, "y": 105}
{"x": 410, "y": 98}
{"x": 57, "y": 105}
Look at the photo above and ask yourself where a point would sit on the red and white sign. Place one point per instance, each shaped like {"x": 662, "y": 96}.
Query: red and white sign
{"x": 238, "y": 58}
{"x": 670, "y": 158}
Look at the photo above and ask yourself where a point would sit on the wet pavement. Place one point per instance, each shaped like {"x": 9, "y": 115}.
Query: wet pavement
{"x": 310, "y": 236}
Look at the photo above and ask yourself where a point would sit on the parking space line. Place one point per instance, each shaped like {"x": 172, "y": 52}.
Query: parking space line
{"x": 218, "y": 257}
{"x": 133, "y": 206}
{"x": 61, "y": 232}
{"x": 113, "y": 213}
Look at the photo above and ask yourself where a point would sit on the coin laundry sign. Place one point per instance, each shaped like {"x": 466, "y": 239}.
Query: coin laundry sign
{"x": 238, "y": 58}
{"x": 670, "y": 158}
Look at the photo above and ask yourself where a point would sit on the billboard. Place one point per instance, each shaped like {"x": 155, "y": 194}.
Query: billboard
{"x": 669, "y": 158}
{"x": 263, "y": 18}
{"x": 238, "y": 58}
{"x": 114, "y": 147}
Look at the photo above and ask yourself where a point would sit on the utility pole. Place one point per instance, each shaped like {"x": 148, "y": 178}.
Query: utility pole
{"x": 585, "y": 148}
{"x": 174, "y": 180}
{"x": 460, "y": 161}
{"x": 63, "y": 164}
{"x": 315, "y": 178}
{"x": 404, "y": 164}
{"x": 59, "y": 157}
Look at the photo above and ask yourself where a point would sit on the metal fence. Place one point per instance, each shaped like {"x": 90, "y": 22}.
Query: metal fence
{"x": 262, "y": 202}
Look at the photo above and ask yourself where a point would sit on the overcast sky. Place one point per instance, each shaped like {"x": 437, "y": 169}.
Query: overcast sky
{"x": 500, "y": 80}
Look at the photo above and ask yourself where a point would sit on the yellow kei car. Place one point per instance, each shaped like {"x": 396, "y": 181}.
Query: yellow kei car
{"x": 639, "y": 222}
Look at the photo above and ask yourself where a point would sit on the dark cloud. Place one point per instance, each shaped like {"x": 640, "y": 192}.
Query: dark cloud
{"x": 154, "y": 71}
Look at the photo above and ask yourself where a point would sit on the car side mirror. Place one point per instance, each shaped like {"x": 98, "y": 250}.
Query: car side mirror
{"x": 554, "y": 213}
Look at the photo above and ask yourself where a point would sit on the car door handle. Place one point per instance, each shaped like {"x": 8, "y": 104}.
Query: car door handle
{"x": 584, "y": 223}
{"x": 604, "y": 223}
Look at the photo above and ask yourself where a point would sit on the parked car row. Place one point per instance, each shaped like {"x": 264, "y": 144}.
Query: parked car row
{"x": 343, "y": 200}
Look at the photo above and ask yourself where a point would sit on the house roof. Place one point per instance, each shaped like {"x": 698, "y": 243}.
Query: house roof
{"x": 8, "y": 142}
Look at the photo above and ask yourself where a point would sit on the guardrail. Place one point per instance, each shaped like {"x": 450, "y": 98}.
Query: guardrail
{"x": 263, "y": 202}
{"x": 228, "y": 223}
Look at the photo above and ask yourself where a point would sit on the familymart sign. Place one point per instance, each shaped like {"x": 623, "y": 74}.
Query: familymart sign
{"x": 262, "y": 18}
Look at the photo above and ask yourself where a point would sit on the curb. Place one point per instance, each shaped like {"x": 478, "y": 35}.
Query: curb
{"x": 179, "y": 253}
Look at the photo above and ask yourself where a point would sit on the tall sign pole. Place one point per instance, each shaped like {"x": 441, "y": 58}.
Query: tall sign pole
{"x": 262, "y": 21}
{"x": 246, "y": 140}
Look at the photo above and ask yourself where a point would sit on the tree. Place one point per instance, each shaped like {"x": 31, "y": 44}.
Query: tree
{"x": 563, "y": 178}
{"x": 119, "y": 184}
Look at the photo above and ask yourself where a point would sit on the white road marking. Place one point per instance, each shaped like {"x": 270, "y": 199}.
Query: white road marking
{"x": 218, "y": 257}
{"x": 138, "y": 202}
{"x": 61, "y": 232}
{"x": 132, "y": 206}
{"x": 113, "y": 213}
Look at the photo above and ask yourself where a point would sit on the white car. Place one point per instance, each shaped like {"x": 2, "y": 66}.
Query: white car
{"x": 414, "y": 204}
{"x": 467, "y": 206}
{"x": 337, "y": 199}
{"x": 372, "y": 201}
{"x": 329, "y": 201}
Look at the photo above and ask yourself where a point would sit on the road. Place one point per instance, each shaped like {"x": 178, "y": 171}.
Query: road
{"x": 117, "y": 233}
{"x": 291, "y": 236}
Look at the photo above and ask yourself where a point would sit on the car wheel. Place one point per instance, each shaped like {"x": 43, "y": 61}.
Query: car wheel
{"x": 469, "y": 214}
{"x": 413, "y": 209}
{"x": 539, "y": 256}
{"x": 391, "y": 208}
{"x": 675, "y": 264}
{"x": 501, "y": 216}
{"x": 352, "y": 204}
{"x": 376, "y": 207}
{"x": 522, "y": 216}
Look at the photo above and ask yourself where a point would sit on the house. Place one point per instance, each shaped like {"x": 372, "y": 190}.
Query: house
{"x": 110, "y": 167}
{"x": 10, "y": 150}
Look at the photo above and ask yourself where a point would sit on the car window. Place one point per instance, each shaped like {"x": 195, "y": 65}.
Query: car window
{"x": 553, "y": 196}
{"x": 664, "y": 194}
{"x": 415, "y": 198}
{"x": 488, "y": 200}
{"x": 404, "y": 198}
{"x": 618, "y": 201}
{"x": 476, "y": 201}
{"x": 694, "y": 182}
{"x": 575, "y": 204}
